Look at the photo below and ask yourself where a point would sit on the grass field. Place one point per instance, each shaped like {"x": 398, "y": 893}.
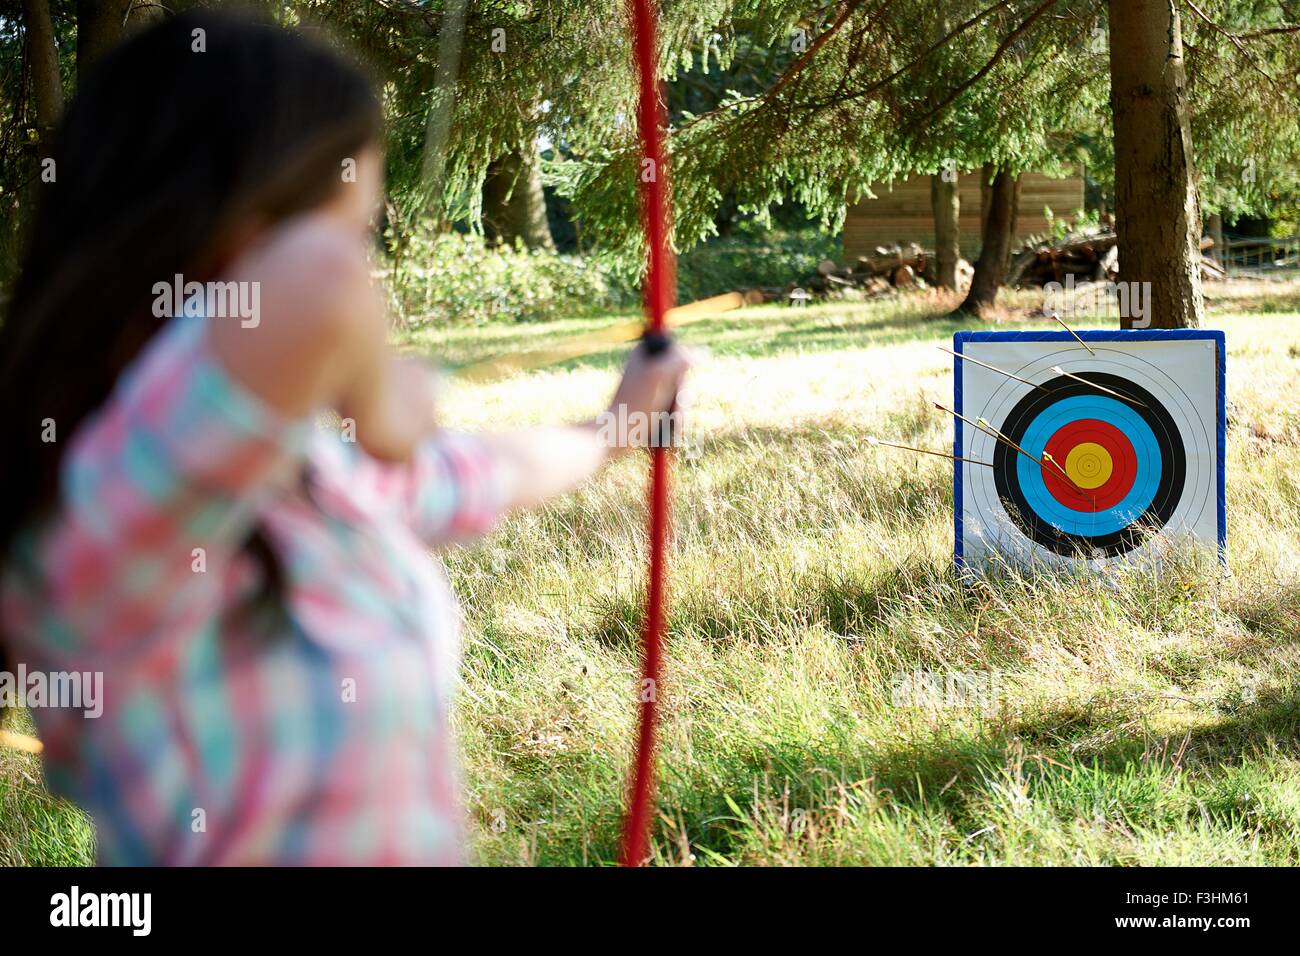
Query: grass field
{"x": 1139, "y": 720}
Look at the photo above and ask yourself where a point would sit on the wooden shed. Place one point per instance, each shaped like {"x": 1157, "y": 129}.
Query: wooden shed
{"x": 901, "y": 212}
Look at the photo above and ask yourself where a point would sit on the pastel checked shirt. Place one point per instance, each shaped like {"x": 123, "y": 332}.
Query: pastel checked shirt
{"x": 313, "y": 733}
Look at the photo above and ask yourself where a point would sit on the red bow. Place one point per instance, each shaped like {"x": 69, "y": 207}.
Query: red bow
{"x": 658, "y": 295}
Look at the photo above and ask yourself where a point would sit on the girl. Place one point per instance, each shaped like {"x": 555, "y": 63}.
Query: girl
{"x": 277, "y": 646}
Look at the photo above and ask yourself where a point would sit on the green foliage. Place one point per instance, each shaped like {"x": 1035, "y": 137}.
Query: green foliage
{"x": 463, "y": 278}
{"x": 851, "y": 95}
{"x": 771, "y": 100}
{"x": 1058, "y": 227}
{"x": 1243, "y": 90}
{"x": 752, "y": 258}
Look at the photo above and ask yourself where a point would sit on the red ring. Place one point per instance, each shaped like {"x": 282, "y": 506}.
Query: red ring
{"x": 1123, "y": 465}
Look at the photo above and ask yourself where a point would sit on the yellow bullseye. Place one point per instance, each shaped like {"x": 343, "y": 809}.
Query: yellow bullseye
{"x": 1088, "y": 465}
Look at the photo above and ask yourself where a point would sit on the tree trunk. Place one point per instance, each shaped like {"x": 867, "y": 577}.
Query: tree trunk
{"x": 47, "y": 94}
{"x": 1214, "y": 226}
{"x": 1156, "y": 215}
{"x": 997, "y": 234}
{"x": 99, "y": 27}
{"x": 44, "y": 58}
{"x": 946, "y": 205}
{"x": 514, "y": 205}
{"x": 986, "y": 192}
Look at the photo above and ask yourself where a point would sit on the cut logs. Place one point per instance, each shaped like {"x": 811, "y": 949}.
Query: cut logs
{"x": 882, "y": 273}
{"x": 1082, "y": 256}
{"x": 1088, "y": 257}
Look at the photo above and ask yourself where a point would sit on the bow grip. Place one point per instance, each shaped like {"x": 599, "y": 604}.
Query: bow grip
{"x": 656, "y": 342}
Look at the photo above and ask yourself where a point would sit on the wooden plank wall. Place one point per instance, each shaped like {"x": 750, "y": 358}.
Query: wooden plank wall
{"x": 902, "y": 213}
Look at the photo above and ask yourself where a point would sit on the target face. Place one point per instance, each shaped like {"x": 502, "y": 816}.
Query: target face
{"x": 1118, "y": 451}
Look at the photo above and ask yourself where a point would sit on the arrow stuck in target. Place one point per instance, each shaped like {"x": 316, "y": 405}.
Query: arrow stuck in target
{"x": 991, "y": 368}
{"x": 983, "y": 425}
{"x": 1057, "y": 319}
{"x": 872, "y": 440}
{"x": 1045, "y": 458}
{"x": 1101, "y": 388}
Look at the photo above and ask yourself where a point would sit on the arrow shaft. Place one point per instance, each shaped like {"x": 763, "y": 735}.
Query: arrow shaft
{"x": 927, "y": 451}
{"x": 580, "y": 345}
{"x": 991, "y": 432}
{"x": 998, "y": 436}
{"x": 1100, "y": 388}
{"x": 1058, "y": 321}
{"x": 991, "y": 368}
{"x": 1046, "y": 458}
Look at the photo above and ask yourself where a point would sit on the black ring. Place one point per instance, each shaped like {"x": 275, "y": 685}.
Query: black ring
{"x": 1169, "y": 490}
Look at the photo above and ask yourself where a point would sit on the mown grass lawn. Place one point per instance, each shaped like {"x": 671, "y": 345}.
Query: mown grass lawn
{"x": 1138, "y": 720}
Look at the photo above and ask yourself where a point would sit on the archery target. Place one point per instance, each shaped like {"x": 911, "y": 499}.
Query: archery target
{"x": 1100, "y": 464}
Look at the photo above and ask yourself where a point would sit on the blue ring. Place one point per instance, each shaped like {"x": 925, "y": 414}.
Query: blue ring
{"x": 1135, "y": 429}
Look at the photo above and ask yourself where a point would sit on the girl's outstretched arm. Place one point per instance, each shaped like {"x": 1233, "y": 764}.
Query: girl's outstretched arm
{"x": 456, "y": 485}
{"x": 544, "y": 462}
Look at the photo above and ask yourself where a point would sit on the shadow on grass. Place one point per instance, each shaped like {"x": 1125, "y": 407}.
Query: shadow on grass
{"x": 857, "y": 607}
{"x": 1262, "y": 297}
{"x": 1094, "y": 764}
{"x": 1135, "y": 783}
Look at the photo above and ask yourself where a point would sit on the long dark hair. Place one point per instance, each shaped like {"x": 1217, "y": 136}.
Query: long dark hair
{"x": 173, "y": 143}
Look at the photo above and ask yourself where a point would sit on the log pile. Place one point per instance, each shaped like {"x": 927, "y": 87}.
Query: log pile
{"x": 1210, "y": 269}
{"x": 1088, "y": 257}
{"x": 882, "y": 273}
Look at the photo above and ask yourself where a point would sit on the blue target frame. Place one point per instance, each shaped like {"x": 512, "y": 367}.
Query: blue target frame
{"x": 1098, "y": 335}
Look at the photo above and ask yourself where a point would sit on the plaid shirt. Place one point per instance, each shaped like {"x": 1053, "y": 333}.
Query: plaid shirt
{"x": 310, "y": 733}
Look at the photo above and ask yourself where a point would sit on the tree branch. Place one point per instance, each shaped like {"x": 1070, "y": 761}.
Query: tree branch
{"x": 798, "y": 65}
{"x": 1231, "y": 38}
{"x": 1271, "y": 31}
{"x": 907, "y": 68}
{"x": 790, "y": 72}
{"x": 983, "y": 71}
